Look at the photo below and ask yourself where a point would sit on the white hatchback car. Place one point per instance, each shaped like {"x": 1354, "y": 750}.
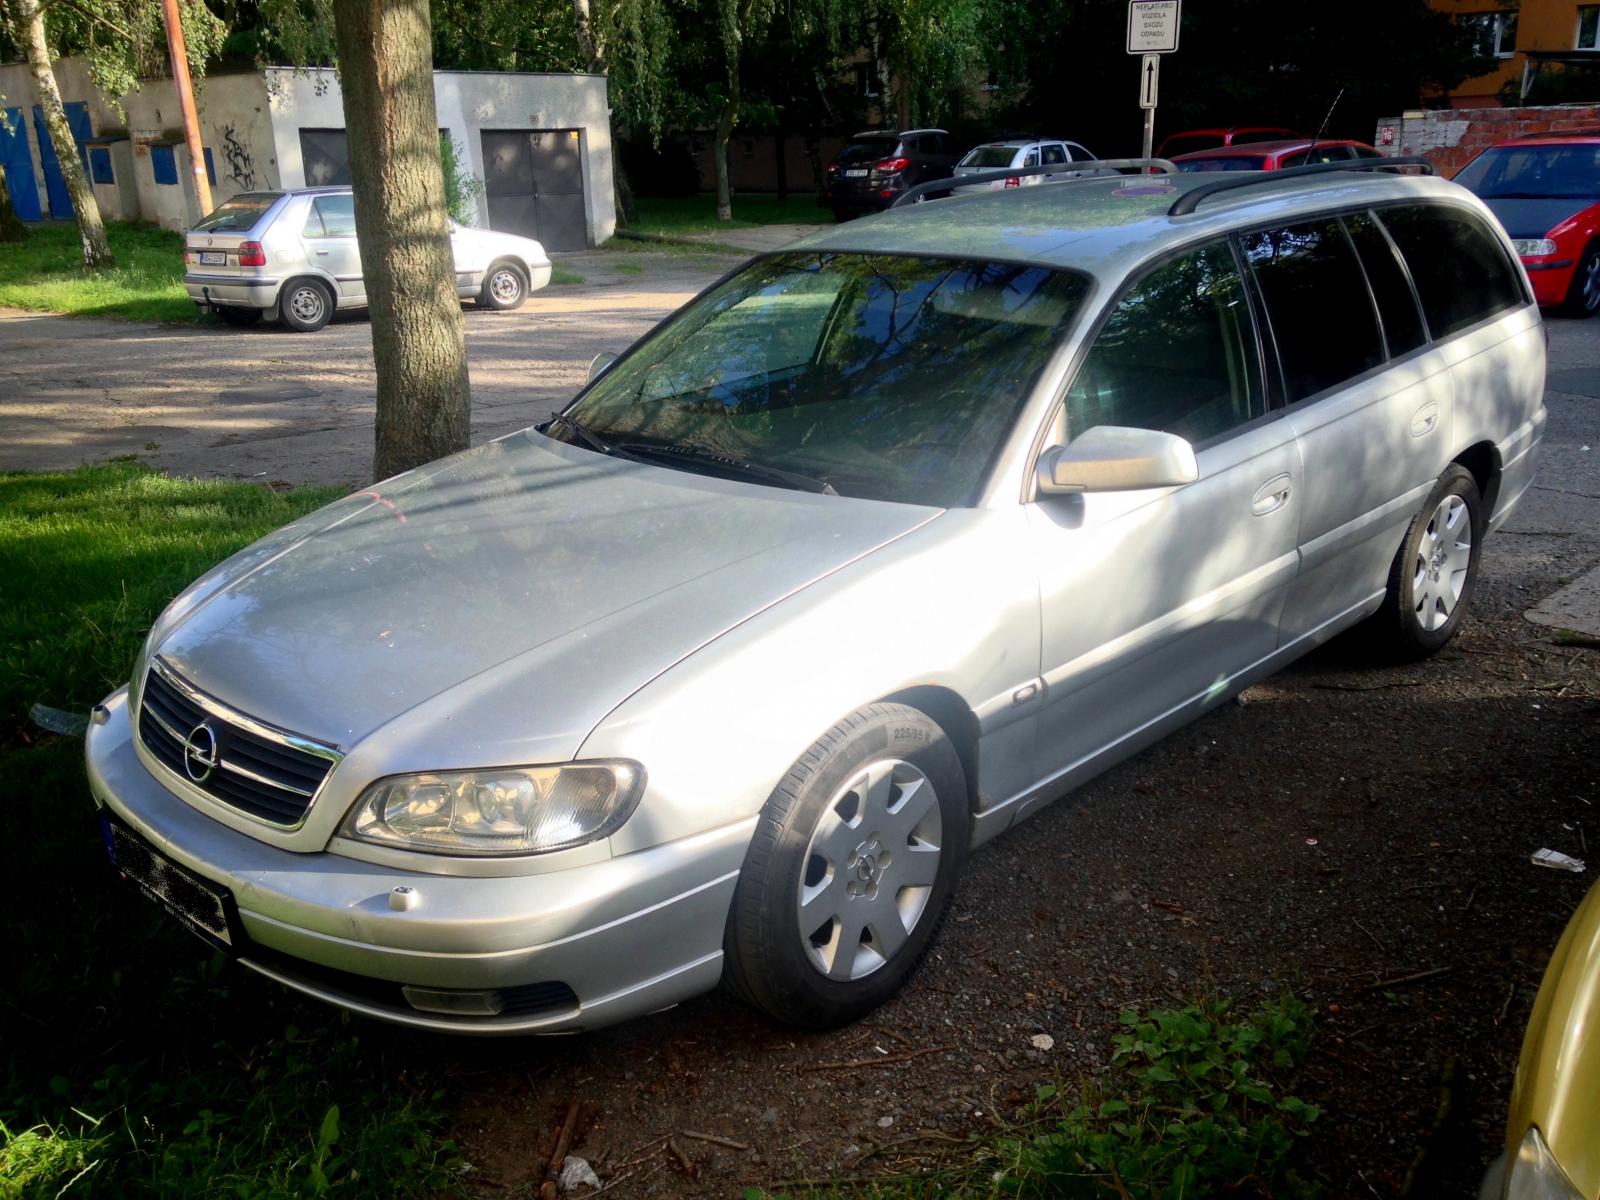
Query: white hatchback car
{"x": 293, "y": 255}
{"x": 1020, "y": 153}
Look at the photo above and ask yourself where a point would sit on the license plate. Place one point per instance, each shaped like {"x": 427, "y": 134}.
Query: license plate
{"x": 199, "y": 905}
{"x": 861, "y": 174}
{"x": 213, "y": 258}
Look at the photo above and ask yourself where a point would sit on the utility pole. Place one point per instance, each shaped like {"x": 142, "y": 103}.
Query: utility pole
{"x": 179, "y": 54}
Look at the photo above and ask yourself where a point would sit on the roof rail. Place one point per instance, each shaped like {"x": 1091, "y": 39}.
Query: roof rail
{"x": 1190, "y": 200}
{"x": 1089, "y": 168}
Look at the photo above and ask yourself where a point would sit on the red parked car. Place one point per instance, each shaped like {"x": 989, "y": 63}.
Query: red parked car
{"x": 1192, "y": 140}
{"x": 1274, "y": 156}
{"x": 1546, "y": 191}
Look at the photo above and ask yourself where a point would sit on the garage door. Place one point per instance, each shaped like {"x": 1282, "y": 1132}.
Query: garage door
{"x": 16, "y": 159}
{"x": 55, "y": 184}
{"x": 533, "y": 180}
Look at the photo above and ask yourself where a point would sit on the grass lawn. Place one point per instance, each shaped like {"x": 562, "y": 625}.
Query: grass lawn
{"x": 43, "y": 274}
{"x": 137, "y": 1062}
{"x": 698, "y": 214}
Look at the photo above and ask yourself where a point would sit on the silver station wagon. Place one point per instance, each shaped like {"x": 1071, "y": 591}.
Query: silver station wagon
{"x": 879, "y": 545}
{"x": 293, "y": 256}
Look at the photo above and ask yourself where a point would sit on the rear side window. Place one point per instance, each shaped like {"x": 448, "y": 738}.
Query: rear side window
{"x": 1178, "y": 354}
{"x": 337, "y": 214}
{"x": 1397, "y": 306}
{"x": 1317, "y": 304}
{"x": 1461, "y": 272}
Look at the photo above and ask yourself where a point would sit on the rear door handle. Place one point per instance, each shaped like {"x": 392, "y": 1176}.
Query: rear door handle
{"x": 1271, "y": 496}
{"x": 1426, "y": 419}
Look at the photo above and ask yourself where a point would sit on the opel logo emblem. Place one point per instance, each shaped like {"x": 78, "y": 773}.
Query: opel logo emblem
{"x": 200, "y": 752}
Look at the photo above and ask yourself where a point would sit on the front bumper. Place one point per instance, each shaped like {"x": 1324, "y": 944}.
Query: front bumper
{"x": 581, "y": 948}
{"x": 1551, "y": 279}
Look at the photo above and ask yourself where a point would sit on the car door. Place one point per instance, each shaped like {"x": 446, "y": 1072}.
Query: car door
{"x": 1368, "y": 399}
{"x": 330, "y": 242}
{"x": 1154, "y": 602}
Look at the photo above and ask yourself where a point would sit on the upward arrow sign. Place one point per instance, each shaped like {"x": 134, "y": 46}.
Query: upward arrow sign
{"x": 1149, "y": 81}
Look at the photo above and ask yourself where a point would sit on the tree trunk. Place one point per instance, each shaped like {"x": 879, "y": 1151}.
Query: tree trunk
{"x": 30, "y": 29}
{"x": 11, "y": 229}
{"x": 418, "y": 337}
{"x": 592, "y": 45}
{"x": 719, "y": 149}
{"x": 782, "y": 163}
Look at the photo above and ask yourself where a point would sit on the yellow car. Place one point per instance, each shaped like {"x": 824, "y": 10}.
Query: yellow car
{"x": 1553, "y": 1135}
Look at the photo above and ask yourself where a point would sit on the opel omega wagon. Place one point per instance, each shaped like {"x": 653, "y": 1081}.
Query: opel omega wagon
{"x": 882, "y": 543}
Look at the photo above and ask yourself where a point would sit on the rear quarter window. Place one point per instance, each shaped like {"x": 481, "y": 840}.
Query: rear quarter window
{"x": 1461, "y": 272}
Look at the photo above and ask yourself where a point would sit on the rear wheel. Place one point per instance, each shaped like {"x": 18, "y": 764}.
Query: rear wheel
{"x": 850, "y": 870}
{"x": 305, "y": 305}
{"x": 1431, "y": 580}
{"x": 239, "y": 317}
{"x": 1583, "y": 296}
{"x": 504, "y": 288}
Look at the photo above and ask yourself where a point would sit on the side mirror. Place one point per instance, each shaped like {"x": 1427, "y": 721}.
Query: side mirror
{"x": 1110, "y": 458}
{"x": 599, "y": 365}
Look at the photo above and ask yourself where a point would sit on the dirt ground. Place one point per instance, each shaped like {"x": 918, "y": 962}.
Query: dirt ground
{"x": 1355, "y": 833}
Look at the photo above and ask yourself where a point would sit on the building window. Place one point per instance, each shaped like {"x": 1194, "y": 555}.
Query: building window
{"x": 1494, "y": 34}
{"x": 1589, "y": 28}
{"x": 100, "y": 165}
{"x": 867, "y": 81}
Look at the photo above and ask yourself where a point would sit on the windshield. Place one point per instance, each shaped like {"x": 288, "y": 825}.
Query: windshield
{"x": 868, "y": 150}
{"x": 237, "y": 215}
{"x": 882, "y": 377}
{"x": 1570, "y": 172}
{"x": 989, "y": 156}
{"x": 1229, "y": 162}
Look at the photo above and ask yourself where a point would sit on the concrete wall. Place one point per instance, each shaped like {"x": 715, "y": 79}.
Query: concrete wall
{"x": 468, "y": 103}
{"x": 234, "y": 125}
{"x": 1450, "y": 137}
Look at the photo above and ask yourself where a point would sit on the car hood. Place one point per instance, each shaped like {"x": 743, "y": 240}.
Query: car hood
{"x": 525, "y": 577}
{"x": 1535, "y": 218}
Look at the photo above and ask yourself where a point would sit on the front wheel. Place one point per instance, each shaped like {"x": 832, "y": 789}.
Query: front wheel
{"x": 1432, "y": 576}
{"x": 850, "y": 869}
{"x": 504, "y": 289}
{"x": 1583, "y": 296}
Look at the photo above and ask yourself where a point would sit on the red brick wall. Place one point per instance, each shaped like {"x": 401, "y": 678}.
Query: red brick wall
{"x": 1450, "y": 137}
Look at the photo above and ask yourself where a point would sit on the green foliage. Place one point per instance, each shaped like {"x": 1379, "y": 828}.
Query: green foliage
{"x": 698, "y": 214}
{"x": 461, "y": 187}
{"x": 137, "y": 1063}
{"x": 45, "y": 274}
{"x": 124, "y": 41}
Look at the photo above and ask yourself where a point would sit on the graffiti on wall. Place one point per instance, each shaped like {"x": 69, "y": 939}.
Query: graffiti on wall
{"x": 241, "y": 167}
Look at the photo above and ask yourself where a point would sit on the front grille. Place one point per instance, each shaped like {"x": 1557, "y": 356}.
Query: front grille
{"x": 270, "y": 775}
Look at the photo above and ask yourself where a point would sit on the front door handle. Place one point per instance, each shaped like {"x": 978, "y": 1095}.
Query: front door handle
{"x": 1271, "y": 496}
{"x": 1426, "y": 419}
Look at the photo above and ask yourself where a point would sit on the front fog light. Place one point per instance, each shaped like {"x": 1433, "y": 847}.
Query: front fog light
{"x": 1535, "y": 1174}
{"x": 1533, "y": 247}
{"x": 503, "y": 810}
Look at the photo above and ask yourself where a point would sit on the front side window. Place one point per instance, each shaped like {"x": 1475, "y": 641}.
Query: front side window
{"x": 1317, "y": 305}
{"x": 1178, "y": 354}
{"x": 884, "y": 377}
{"x": 1462, "y": 274}
{"x": 1054, "y": 154}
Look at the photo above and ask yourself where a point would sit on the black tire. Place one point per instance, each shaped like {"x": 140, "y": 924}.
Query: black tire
{"x": 238, "y": 317}
{"x": 305, "y": 305}
{"x": 1583, "y": 294}
{"x": 1408, "y": 626}
{"x": 770, "y": 962}
{"x": 840, "y": 216}
{"x": 505, "y": 287}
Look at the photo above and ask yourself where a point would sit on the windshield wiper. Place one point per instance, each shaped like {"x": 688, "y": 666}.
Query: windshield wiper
{"x": 710, "y": 458}
{"x": 586, "y": 435}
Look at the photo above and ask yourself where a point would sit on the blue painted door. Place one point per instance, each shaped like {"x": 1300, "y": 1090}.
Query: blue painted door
{"x": 17, "y": 161}
{"x": 55, "y": 186}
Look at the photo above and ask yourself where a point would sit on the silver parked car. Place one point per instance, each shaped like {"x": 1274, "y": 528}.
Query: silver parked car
{"x": 1022, "y": 152}
{"x": 865, "y": 555}
{"x": 293, "y": 256}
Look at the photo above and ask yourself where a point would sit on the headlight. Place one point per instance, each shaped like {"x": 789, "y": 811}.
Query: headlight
{"x": 503, "y": 810}
{"x": 1533, "y": 247}
{"x": 1535, "y": 1174}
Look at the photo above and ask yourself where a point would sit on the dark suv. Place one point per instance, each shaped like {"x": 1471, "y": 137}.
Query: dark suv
{"x": 876, "y": 166}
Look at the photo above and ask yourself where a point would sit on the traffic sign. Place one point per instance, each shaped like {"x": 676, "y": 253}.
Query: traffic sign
{"x": 1149, "y": 80}
{"x": 1153, "y": 26}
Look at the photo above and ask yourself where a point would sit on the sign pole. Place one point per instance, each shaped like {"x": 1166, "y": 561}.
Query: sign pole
{"x": 1149, "y": 131}
{"x": 1152, "y": 31}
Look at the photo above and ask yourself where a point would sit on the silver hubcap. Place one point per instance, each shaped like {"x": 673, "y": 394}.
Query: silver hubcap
{"x": 504, "y": 286}
{"x": 1440, "y": 572}
{"x": 869, "y": 869}
{"x": 1591, "y": 283}
{"x": 307, "y": 304}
